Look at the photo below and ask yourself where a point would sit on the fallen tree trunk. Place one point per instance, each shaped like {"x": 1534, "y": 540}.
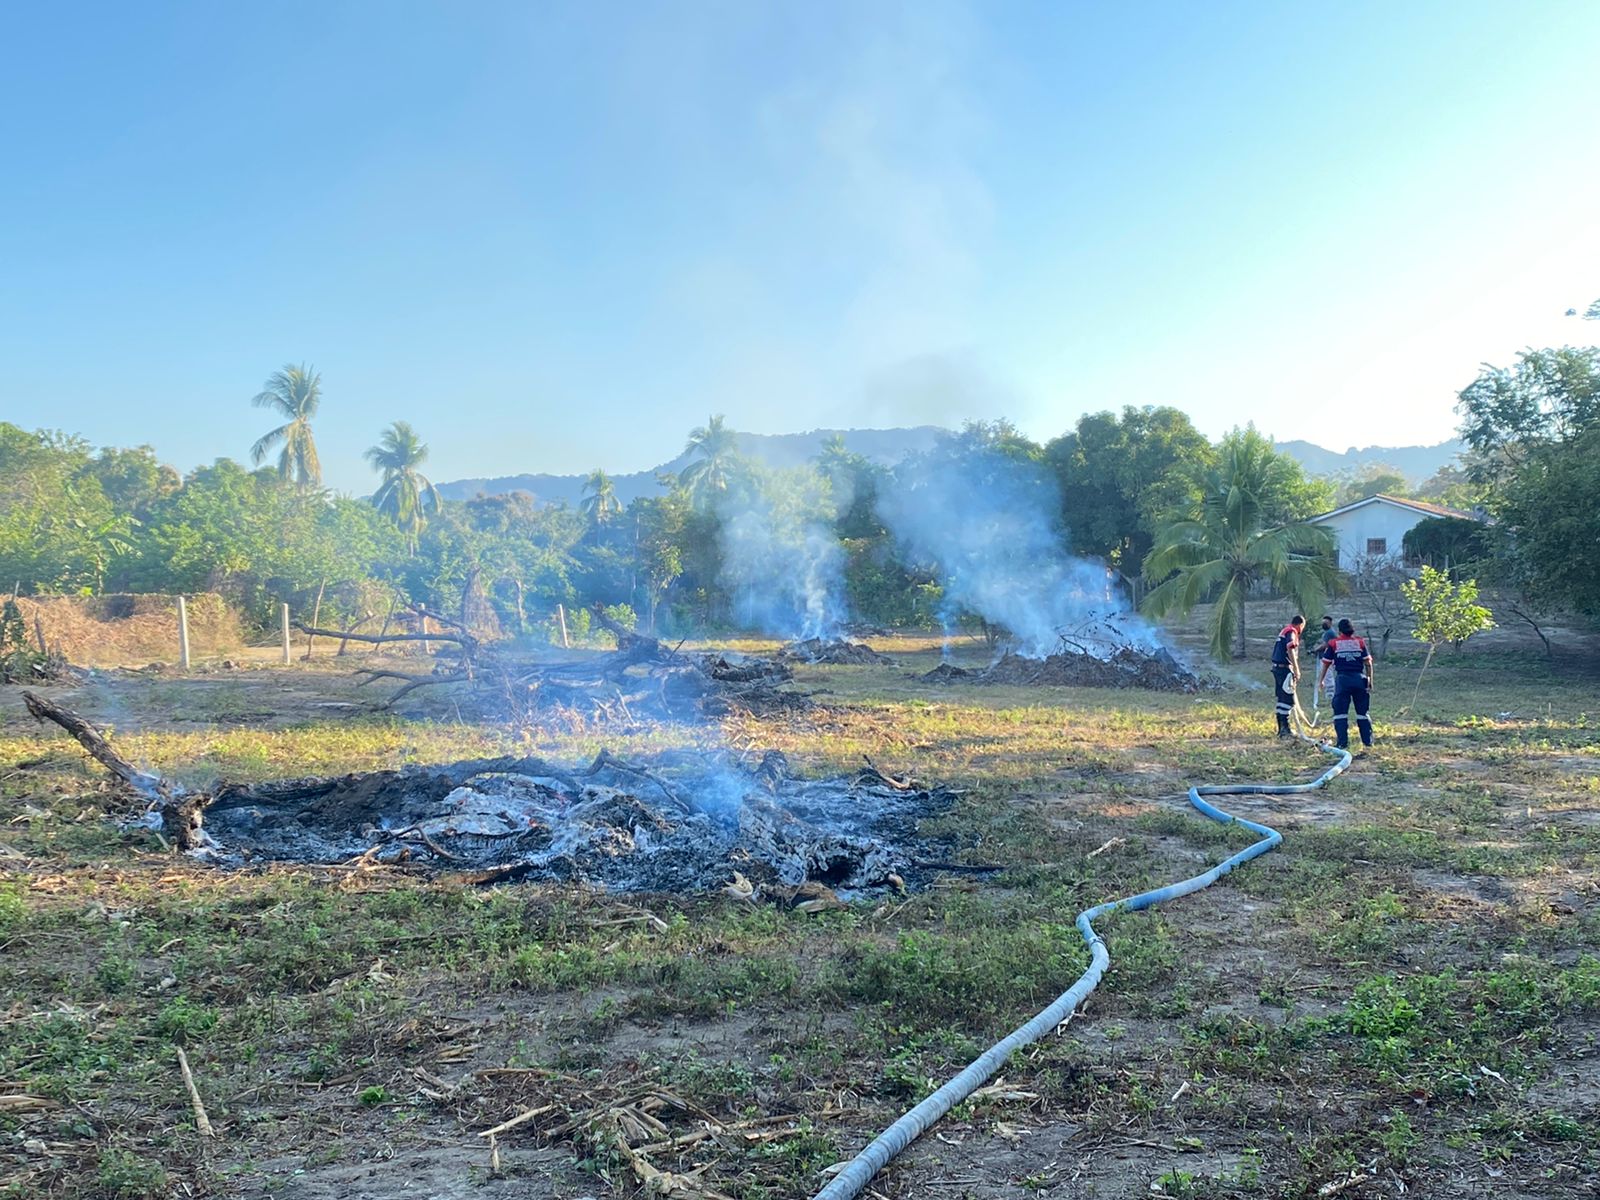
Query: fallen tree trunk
{"x": 180, "y": 810}
{"x": 92, "y": 740}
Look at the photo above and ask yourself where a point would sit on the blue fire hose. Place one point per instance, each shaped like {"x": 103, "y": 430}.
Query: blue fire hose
{"x": 856, "y": 1173}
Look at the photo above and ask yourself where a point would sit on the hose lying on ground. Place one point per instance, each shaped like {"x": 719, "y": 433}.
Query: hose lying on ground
{"x": 856, "y": 1173}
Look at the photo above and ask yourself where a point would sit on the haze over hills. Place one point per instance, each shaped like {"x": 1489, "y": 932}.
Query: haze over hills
{"x": 1416, "y": 463}
{"x": 884, "y": 446}
{"x": 889, "y": 446}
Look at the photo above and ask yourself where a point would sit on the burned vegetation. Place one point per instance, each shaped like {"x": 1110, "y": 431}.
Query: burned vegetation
{"x": 1153, "y": 670}
{"x": 692, "y": 823}
{"x": 834, "y": 652}
{"x": 1102, "y": 652}
{"x": 642, "y": 679}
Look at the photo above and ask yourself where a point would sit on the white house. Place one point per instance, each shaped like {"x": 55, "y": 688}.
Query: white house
{"x": 1373, "y": 529}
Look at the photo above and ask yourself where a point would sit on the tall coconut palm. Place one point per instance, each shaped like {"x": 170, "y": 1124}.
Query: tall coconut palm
{"x": 715, "y": 463}
{"x": 1220, "y": 551}
{"x": 600, "y": 502}
{"x": 296, "y": 393}
{"x": 405, "y": 493}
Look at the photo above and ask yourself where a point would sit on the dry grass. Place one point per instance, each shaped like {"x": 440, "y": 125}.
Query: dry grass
{"x": 1327, "y": 1014}
{"x": 120, "y": 630}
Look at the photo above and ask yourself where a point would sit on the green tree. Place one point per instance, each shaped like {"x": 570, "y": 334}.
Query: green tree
{"x": 1442, "y": 612}
{"x": 714, "y": 462}
{"x": 662, "y": 523}
{"x": 1448, "y": 542}
{"x": 133, "y": 479}
{"x": 1120, "y": 476}
{"x": 244, "y": 534}
{"x": 600, "y": 504}
{"x": 1374, "y": 480}
{"x": 1281, "y": 486}
{"x": 1535, "y": 430}
{"x": 58, "y": 531}
{"x": 405, "y": 494}
{"x": 1228, "y": 544}
{"x": 1547, "y": 522}
{"x": 296, "y": 393}
{"x": 525, "y": 551}
{"x": 1547, "y": 397}
{"x": 1454, "y": 487}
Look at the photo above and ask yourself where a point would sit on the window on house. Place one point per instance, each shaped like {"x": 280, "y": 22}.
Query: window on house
{"x": 1377, "y": 547}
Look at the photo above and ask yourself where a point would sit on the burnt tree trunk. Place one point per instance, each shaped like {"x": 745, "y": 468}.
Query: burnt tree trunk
{"x": 180, "y": 811}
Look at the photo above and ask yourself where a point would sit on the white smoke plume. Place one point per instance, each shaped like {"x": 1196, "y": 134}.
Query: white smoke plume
{"x": 990, "y": 527}
{"x": 781, "y": 561}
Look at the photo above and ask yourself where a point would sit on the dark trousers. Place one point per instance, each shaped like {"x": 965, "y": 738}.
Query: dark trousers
{"x": 1348, "y": 690}
{"x": 1282, "y": 703}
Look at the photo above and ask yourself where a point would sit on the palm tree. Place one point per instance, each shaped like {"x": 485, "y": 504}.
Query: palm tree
{"x": 295, "y": 392}
{"x": 405, "y": 492}
{"x": 716, "y": 462}
{"x": 600, "y": 502}
{"x": 1226, "y": 547}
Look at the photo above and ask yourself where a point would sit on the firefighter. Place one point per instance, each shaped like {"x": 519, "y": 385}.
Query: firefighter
{"x": 1286, "y": 671}
{"x": 1350, "y": 663}
{"x": 1328, "y": 634}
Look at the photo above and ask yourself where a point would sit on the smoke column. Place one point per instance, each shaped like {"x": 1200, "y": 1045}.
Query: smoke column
{"x": 781, "y": 561}
{"x": 989, "y": 526}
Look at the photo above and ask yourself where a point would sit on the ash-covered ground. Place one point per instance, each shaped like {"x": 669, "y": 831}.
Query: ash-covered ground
{"x": 699, "y": 824}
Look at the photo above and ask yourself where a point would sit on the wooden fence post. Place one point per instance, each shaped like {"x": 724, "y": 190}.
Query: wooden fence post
{"x": 561, "y": 615}
{"x": 316, "y": 616}
{"x": 283, "y": 616}
{"x": 183, "y": 633}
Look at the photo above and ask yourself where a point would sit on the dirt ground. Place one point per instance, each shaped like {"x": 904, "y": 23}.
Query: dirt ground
{"x": 1403, "y": 999}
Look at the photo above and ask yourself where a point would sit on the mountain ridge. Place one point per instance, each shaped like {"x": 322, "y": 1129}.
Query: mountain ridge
{"x": 888, "y": 446}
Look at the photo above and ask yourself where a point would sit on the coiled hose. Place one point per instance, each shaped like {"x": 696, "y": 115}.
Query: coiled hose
{"x": 856, "y": 1173}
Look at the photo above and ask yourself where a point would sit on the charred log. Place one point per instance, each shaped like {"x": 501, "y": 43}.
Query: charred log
{"x": 180, "y": 810}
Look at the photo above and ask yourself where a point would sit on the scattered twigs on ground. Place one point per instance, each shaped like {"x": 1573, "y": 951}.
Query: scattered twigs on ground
{"x": 670, "y": 1145}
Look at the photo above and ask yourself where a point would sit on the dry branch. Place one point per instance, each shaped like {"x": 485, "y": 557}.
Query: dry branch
{"x": 413, "y": 682}
{"x": 202, "y": 1122}
{"x": 461, "y": 639}
{"x": 180, "y": 810}
{"x": 92, "y": 740}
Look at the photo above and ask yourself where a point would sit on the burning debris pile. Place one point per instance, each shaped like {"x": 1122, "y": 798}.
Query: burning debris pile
{"x": 702, "y": 825}
{"x": 1103, "y": 653}
{"x": 643, "y": 678}
{"x": 698, "y": 823}
{"x": 1156, "y": 671}
{"x": 833, "y": 652}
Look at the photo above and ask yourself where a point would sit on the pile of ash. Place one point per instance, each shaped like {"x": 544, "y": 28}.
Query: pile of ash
{"x": 833, "y": 652}
{"x": 1126, "y": 667}
{"x": 645, "y": 679}
{"x": 701, "y": 824}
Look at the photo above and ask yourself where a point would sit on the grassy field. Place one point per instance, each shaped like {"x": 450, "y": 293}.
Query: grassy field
{"x": 1404, "y": 998}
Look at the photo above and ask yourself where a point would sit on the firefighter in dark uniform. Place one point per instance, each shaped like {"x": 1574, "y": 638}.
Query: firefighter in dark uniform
{"x": 1350, "y": 661}
{"x": 1286, "y": 667}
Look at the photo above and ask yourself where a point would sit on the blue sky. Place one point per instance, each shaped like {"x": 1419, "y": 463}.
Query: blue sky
{"x": 554, "y": 236}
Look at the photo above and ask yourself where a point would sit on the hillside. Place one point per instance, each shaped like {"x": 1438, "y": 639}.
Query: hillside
{"x": 889, "y": 446}
{"x": 885, "y": 446}
{"x": 1416, "y": 463}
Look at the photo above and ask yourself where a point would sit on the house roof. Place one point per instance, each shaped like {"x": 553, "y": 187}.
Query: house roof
{"x": 1421, "y": 506}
